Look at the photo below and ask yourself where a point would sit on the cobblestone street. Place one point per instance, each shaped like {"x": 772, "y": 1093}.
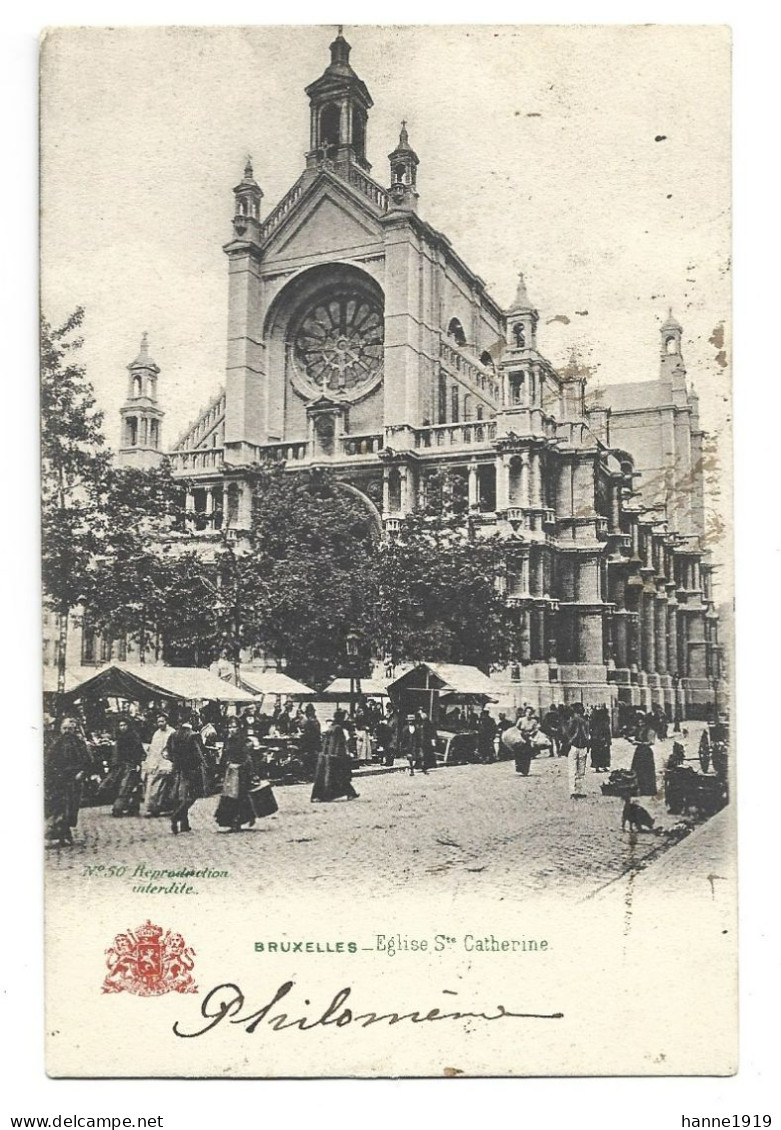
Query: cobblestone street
{"x": 483, "y": 827}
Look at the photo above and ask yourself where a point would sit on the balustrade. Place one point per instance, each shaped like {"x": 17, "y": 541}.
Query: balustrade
{"x": 455, "y": 435}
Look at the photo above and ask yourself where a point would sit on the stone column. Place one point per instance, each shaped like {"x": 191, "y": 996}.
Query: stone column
{"x": 672, "y": 638}
{"x": 524, "y": 499}
{"x": 405, "y": 490}
{"x": 648, "y": 625}
{"x": 615, "y": 508}
{"x": 539, "y": 614}
{"x": 245, "y": 507}
{"x": 502, "y": 482}
{"x": 539, "y": 574}
{"x": 662, "y": 664}
{"x": 620, "y": 639}
{"x": 386, "y": 490}
{"x": 474, "y": 500}
{"x": 535, "y": 479}
{"x": 525, "y": 574}
{"x": 524, "y": 637}
{"x": 633, "y": 638}
{"x": 209, "y": 506}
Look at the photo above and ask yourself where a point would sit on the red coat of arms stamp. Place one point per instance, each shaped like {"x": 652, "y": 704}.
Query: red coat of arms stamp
{"x": 148, "y": 963}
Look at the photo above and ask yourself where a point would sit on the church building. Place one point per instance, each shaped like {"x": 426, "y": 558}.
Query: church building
{"x": 360, "y": 341}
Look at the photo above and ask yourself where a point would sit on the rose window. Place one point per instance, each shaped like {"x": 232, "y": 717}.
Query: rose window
{"x": 339, "y": 343}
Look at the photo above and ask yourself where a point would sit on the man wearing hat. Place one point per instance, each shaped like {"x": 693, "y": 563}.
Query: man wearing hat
{"x": 184, "y": 753}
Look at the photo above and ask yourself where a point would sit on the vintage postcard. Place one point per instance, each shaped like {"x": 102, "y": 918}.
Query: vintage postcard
{"x": 387, "y": 551}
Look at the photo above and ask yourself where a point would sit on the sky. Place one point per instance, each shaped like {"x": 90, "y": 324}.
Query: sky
{"x": 594, "y": 159}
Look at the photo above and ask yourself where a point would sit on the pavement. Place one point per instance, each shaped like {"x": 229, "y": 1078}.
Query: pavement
{"x": 482, "y": 827}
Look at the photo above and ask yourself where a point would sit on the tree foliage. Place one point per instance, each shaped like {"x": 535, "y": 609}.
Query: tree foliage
{"x": 437, "y": 592}
{"x": 74, "y": 463}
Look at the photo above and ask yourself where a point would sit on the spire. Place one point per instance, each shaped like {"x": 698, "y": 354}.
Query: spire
{"x": 522, "y": 319}
{"x": 340, "y": 50}
{"x": 143, "y": 360}
{"x": 143, "y": 353}
{"x": 248, "y": 195}
{"x": 671, "y": 323}
{"x": 521, "y": 295}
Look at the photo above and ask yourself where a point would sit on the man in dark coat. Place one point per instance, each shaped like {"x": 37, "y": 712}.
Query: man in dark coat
{"x": 486, "y": 736}
{"x": 310, "y": 741}
{"x": 184, "y": 753}
{"x": 129, "y": 755}
{"x": 66, "y": 762}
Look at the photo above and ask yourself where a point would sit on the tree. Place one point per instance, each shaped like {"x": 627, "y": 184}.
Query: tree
{"x": 306, "y": 579}
{"x": 74, "y": 464}
{"x": 436, "y": 589}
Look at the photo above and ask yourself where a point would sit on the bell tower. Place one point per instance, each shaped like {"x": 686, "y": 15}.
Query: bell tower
{"x": 671, "y": 357}
{"x": 339, "y": 110}
{"x": 522, "y": 320}
{"x": 142, "y": 418}
{"x": 404, "y": 172}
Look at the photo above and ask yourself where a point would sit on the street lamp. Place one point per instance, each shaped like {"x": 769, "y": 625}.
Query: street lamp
{"x": 352, "y": 645}
{"x": 676, "y": 709}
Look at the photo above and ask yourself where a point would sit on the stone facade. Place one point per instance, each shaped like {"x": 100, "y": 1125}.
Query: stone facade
{"x": 359, "y": 340}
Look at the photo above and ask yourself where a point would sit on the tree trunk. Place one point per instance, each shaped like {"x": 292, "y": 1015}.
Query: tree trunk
{"x": 62, "y": 625}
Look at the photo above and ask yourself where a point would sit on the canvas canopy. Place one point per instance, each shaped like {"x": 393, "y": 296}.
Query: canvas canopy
{"x": 137, "y": 683}
{"x": 276, "y": 683}
{"x": 340, "y": 688}
{"x": 449, "y": 680}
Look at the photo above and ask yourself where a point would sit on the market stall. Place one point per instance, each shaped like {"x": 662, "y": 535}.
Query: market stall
{"x": 451, "y": 694}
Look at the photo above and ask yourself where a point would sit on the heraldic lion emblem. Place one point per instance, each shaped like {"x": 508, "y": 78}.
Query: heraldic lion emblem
{"x": 148, "y": 963}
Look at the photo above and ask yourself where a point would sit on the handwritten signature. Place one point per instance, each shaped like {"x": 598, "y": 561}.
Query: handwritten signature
{"x": 227, "y": 1002}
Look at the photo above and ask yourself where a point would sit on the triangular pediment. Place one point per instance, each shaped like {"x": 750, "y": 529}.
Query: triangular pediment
{"x": 329, "y": 219}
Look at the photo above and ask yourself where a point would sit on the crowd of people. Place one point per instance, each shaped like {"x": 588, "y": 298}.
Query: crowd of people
{"x": 158, "y": 765}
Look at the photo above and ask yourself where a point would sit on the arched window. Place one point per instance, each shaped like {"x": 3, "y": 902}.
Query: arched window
{"x": 468, "y": 407}
{"x": 671, "y": 345}
{"x": 487, "y": 360}
{"x": 136, "y": 385}
{"x": 329, "y": 125}
{"x": 456, "y": 331}
{"x": 479, "y": 412}
{"x": 519, "y": 335}
{"x": 154, "y": 434}
{"x": 131, "y": 437}
{"x": 454, "y": 404}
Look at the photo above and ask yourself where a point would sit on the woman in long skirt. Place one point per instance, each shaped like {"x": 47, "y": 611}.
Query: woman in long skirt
{"x": 601, "y": 739}
{"x": 235, "y": 806}
{"x": 333, "y": 775}
{"x": 645, "y": 769}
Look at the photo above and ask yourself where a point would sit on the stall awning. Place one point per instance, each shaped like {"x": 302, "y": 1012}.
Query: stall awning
{"x": 138, "y": 683}
{"x": 448, "y": 678}
{"x": 340, "y": 688}
{"x": 276, "y": 683}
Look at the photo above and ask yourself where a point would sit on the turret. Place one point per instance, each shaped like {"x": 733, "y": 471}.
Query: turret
{"x": 142, "y": 418}
{"x": 248, "y": 195}
{"x": 403, "y": 173}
